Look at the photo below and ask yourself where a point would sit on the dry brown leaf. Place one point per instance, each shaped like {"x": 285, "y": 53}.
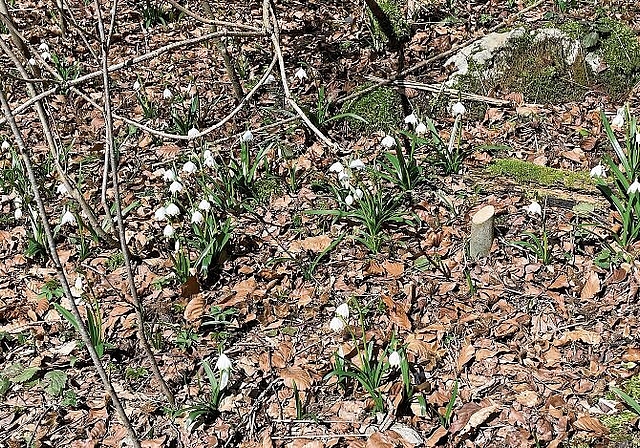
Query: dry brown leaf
{"x": 560, "y": 282}
{"x": 479, "y": 418}
{"x": 393, "y": 269}
{"x": 631, "y": 355}
{"x": 527, "y": 398}
{"x": 314, "y": 244}
{"x": 245, "y": 288}
{"x": 591, "y": 287}
{"x": 436, "y": 436}
{"x": 586, "y": 423}
{"x": 195, "y": 308}
{"x": 466, "y": 355}
{"x": 298, "y": 375}
{"x": 153, "y": 443}
{"x": 379, "y": 440}
{"x": 168, "y": 151}
{"x": 588, "y": 337}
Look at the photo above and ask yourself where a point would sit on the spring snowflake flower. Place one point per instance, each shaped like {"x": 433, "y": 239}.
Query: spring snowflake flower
{"x": 160, "y": 214}
{"x": 78, "y": 287}
{"x": 421, "y": 129}
{"x": 336, "y": 168}
{"x": 193, "y": 133}
{"x": 301, "y": 74}
{"x": 337, "y": 324}
{"x": 197, "y": 217}
{"x": 62, "y": 190}
{"x": 534, "y": 208}
{"x": 136, "y": 85}
{"x": 343, "y": 311}
{"x": 175, "y": 187}
{"x": 348, "y": 200}
{"x": 208, "y": 160}
{"x": 388, "y": 142}
{"x": 45, "y": 56}
{"x": 189, "y": 167}
{"x": 68, "y": 218}
{"x": 6, "y": 145}
{"x": 171, "y": 210}
{"x": 247, "y": 136}
{"x": 598, "y": 171}
{"x": 358, "y": 194}
{"x": 618, "y": 120}
{"x": 411, "y": 119}
{"x": 204, "y": 205}
{"x": 458, "y": 109}
{"x": 169, "y": 175}
{"x": 394, "y": 359}
{"x": 270, "y": 79}
{"x": 168, "y": 231}
{"x": 17, "y": 214}
{"x": 43, "y": 47}
{"x": 223, "y": 364}
{"x": 166, "y": 94}
{"x": 634, "y": 187}
{"x": 33, "y": 62}
{"x": 357, "y": 164}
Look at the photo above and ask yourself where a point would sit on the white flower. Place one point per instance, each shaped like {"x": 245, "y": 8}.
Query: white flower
{"x": 136, "y": 85}
{"x": 68, "y": 218}
{"x": 534, "y": 208}
{"x": 411, "y": 119}
{"x": 43, "y": 47}
{"x": 598, "y": 171}
{"x": 166, "y": 94}
{"x": 421, "y": 129}
{"x": 224, "y": 367}
{"x": 618, "y": 120}
{"x": 168, "y": 231}
{"x": 78, "y": 287}
{"x": 175, "y": 187}
{"x": 189, "y": 167}
{"x": 247, "y": 136}
{"x": 45, "y": 56}
{"x": 634, "y": 187}
{"x": 388, "y": 142}
{"x": 160, "y": 214}
{"x": 357, "y": 164}
{"x": 18, "y": 201}
{"x": 204, "y": 205}
{"x": 336, "y": 168}
{"x": 348, "y": 200}
{"x": 193, "y": 133}
{"x": 17, "y": 214}
{"x": 6, "y": 145}
{"x": 638, "y": 137}
{"x": 358, "y": 194}
{"x": 169, "y": 175}
{"x": 343, "y": 311}
{"x": 62, "y": 190}
{"x": 300, "y": 74}
{"x": 33, "y": 62}
{"x": 342, "y": 177}
{"x": 209, "y": 161}
{"x": 171, "y": 210}
{"x": 394, "y": 359}
{"x": 337, "y": 324}
{"x": 197, "y": 217}
{"x": 458, "y": 109}
{"x": 269, "y": 79}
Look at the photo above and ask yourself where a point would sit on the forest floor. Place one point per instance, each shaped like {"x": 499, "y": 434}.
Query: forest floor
{"x": 516, "y": 349}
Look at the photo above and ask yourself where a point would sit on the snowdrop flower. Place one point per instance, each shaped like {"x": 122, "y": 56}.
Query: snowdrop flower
{"x": 337, "y": 324}
{"x": 6, "y": 145}
{"x": 348, "y": 200}
{"x": 388, "y": 142}
{"x": 618, "y": 120}
{"x": 421, "y": 129}
{"x": 411, "y": 119}
{"x": 394, "y": 359}
{"x": 136, "y": 85}
{"x": 534, "y": 208}
{"x": 204, "y": 205}
{"x": 197, "y": 217}
{"x": 336, "y": 168}
{"x": 270, "y": 79}
{"x": 247, "y": 136}
{"x": 169, "y": 175}
{"x": 634, "y": 187}
{"x": 17, "y": 214}
{"x": 62, "y": 190}
{"x": 78, "y": 287}
{"x": 43, "y": 47}
{"x": 357, "y": 164}
{"x": 160, "y": 214}
{"x": 598, "y": 171}
{"x": 458, "y": 109}
{"x": 300, "y": 74}
{"x": 168, "y": 231}
{"x": 45, "y": 56}
{"x": 68, "y": 218}
{"x": 358, "y": 194}
{"x": 343, "y": 311}
{"x": 223, "y": 364}
{"x": 171, "y": 210}
{"x": 166, "y": 94}
{"x": 193, "y": 133}
{"x": 175, "y": 187}
{"x": 189, "y": 167}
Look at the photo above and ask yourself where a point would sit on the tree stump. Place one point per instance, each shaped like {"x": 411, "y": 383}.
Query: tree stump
{"x": 481, "y": 237}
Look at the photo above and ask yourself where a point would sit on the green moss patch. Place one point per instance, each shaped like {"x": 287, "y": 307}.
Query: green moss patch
{"x": 395, "y": 23}
{"x": 381, "y": 108}
{"x": 527, "y": 172}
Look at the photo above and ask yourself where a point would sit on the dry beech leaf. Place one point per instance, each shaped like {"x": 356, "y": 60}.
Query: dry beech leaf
{"x": 190, "y": 287}
{"x": 379, "y": 440}
{"x": 168, "y": 150}
{"x": 314, "y": 244}
{"x": 560, "y": 282}
{"x": 436, "y": 436}
{"x": 298, "y": 375}
{"x": 194, "y": 309}
{"x": 527, "y": 398}
{"x": 393, "y": 269}
{"x": 245, "y": 288}
{"x": 466, "y": 355}
{"x": 631, "y": 355}
{"x": 479, "y": 418}
{"x": 586, "y": 423}
{"x": 588, "y": 337}
{"x": 591, "y": 287}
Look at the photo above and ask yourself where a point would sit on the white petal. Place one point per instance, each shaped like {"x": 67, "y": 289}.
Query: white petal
{"x": 394, "y": 359}
{"x": 598, "y": 171}
{"x": 175, "y": 187}
{"x": 270, "y": 79}
{"x": 204, "y": 205}
{"x": 17, "y": 214}
{"x": 193, "y": 133}
{"x": 388, "y": 142}
{"x": 171, "y": 210}
{"x": 458, "y": 109}
{"x": 336, "y": 168}
{"x": 421, "y": 129}
{"x": 168, "y": 231}
{"x": 136, "y": 85}
{"x": 301, "y": 74}
{"x": 62, "y": 190}
{"x": 634, "y": 187}
{"x": 247, "y": 136}
{"x": 189, "y": 167}
{"x": 166, "y": 94}
{"x": 224, "y": 379}
{"x": 357, "y": 164}
{"x": 534, "y": 208}
{"x": 348, "y": 200}
{"x": 411, "y": 119}
{"x": 43, "y": 47}
{"x": 343, "y": 311}
{"x": 223, "y": 362}
{"x": 6, "y": 145}
{"x": 337, "y": 324}
{"x": 197, "y": 217}
{"x": 169, "y": 175}
{"x": 68, "y": 218}
{"x": 160, "y": 214}
{"x": 358, "y": 194}
{"x": 45, "y": 56}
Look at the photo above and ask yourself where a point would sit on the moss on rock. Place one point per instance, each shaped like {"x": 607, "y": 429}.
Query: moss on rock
{"x": 381, "y": 108}
{"x": 527, "y": 172}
